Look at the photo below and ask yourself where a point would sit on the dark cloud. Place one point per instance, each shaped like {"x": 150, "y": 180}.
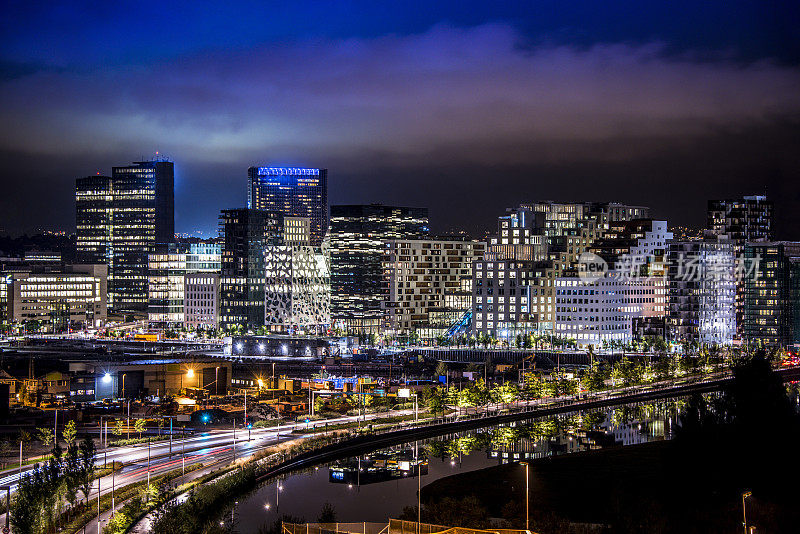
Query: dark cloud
{"x": 463, "y": 120}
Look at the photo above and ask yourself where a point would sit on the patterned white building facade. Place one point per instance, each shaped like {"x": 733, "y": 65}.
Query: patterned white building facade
{"x": 297, "y": 288}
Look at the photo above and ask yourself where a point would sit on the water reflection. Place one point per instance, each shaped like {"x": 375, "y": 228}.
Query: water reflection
{"x": 377, "y": 486}
{"x": 380, "y": 466}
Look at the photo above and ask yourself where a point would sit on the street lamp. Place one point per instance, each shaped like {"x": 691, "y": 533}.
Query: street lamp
{"x": 527, "y": 496}
{"x": 745, "y": 495}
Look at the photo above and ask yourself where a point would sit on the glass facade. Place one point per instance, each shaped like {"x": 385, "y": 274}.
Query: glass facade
{"x": 772, "y": 299}
{"x": 245, "y": 233}
{"x": 120, "y": 219}
{"x": 168, "y": 270}
{"x": 358, "y": 236}
{"x": 294, "y": 192}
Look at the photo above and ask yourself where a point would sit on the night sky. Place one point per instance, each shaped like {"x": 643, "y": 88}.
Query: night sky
{"x": 463, "y": 107}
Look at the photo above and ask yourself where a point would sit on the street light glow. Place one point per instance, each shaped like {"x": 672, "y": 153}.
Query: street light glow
{"x": 190, "y": 373}
{"x": 107, "y": 378}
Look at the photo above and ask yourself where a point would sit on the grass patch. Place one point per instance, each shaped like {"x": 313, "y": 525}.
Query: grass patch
{"x": 137, "y": 441}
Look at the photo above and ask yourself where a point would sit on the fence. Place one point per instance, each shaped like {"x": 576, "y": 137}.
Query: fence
{"x": 398, "y": 526}
{"x": 395, "y": 526}
{"x": 332, "y": 528}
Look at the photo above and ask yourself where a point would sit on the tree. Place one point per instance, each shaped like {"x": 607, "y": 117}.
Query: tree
{"x": 69, "y": 433}
{"x": 534, "y": 387}
{"x": 139, "y": 426}
{"x": 119, "y": 427}
{"x": 45, "y": 435}
{"x": 319, "y": 404}
{"x": 327, "y": 514}
{"x": 433, "y": 398}
{"x": 88, "y": 468}
{"x": 72, "y": 471}
{"x": 24, "y": 507}
{"x": 505, "y": 393}
{"x": 594, "y": 378}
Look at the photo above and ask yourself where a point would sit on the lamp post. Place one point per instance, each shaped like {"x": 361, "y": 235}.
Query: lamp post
{"x": 148, "y": 463}
{"x": 98, "y": 506}
{"x": 527, "y": 497}
{"x": 8, "y": 504}
{"x": 419, "y": 487}
{"x": 745, "y": 495}
{"x": 216, "y": 381}
{"x": 183, "y": 450}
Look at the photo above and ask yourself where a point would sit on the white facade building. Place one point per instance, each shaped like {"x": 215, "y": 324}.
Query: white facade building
{"x": 635, "y": 286}
{"x": 701, "y": 298}
{"x": 297, "y": 287}
{"x": 167, "y": 278}
{"x": 57, "y": 300}
{"x": 201, "y": 299}
{"x": 602, "y": 310}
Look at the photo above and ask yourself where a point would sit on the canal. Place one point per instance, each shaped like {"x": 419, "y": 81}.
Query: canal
{"x": 379, "y": 485}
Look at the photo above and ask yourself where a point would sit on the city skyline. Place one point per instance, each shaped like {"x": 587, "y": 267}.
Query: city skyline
{"x": 626, "y": 103}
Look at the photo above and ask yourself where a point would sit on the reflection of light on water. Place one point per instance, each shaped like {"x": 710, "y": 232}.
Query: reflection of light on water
{"x": 305, "y": 493}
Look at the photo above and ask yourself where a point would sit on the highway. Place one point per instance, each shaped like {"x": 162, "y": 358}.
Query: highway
{"x": 199, "y": 445}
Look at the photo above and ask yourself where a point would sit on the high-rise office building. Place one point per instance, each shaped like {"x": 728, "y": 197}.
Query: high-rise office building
{"x": 119, "y": 222}
{"x": 527, "y": 274}
{"x": 358, "y": 236}
{"x": 742, "y": 220}
{"x": 292, "y": 191}
{"x": 771, "y": 276}
{"x": 94, "y": 203}
{"x": 169, "y": 269}
{"x": 244, "y": 234}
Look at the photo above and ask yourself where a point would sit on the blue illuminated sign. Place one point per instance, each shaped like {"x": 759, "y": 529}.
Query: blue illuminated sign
{"x": 287, "y": 171}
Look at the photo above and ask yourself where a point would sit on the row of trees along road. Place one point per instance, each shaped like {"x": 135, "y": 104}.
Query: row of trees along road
{"x": 50, "y": 492}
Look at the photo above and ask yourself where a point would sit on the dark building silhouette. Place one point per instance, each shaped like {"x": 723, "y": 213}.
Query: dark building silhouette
{"x": 244, "y": 233}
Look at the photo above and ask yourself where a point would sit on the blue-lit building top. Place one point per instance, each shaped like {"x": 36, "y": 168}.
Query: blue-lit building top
{"x": 292, "y": 191}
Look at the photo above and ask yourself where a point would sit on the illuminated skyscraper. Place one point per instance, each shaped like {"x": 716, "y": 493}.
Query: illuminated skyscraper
{"x": 292, "y": 191}
{"x": 93, "y": 211}
{"x": 245, "y": 233}
{"x": 358, "y": 243}
{"x": 119, "y": 222}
